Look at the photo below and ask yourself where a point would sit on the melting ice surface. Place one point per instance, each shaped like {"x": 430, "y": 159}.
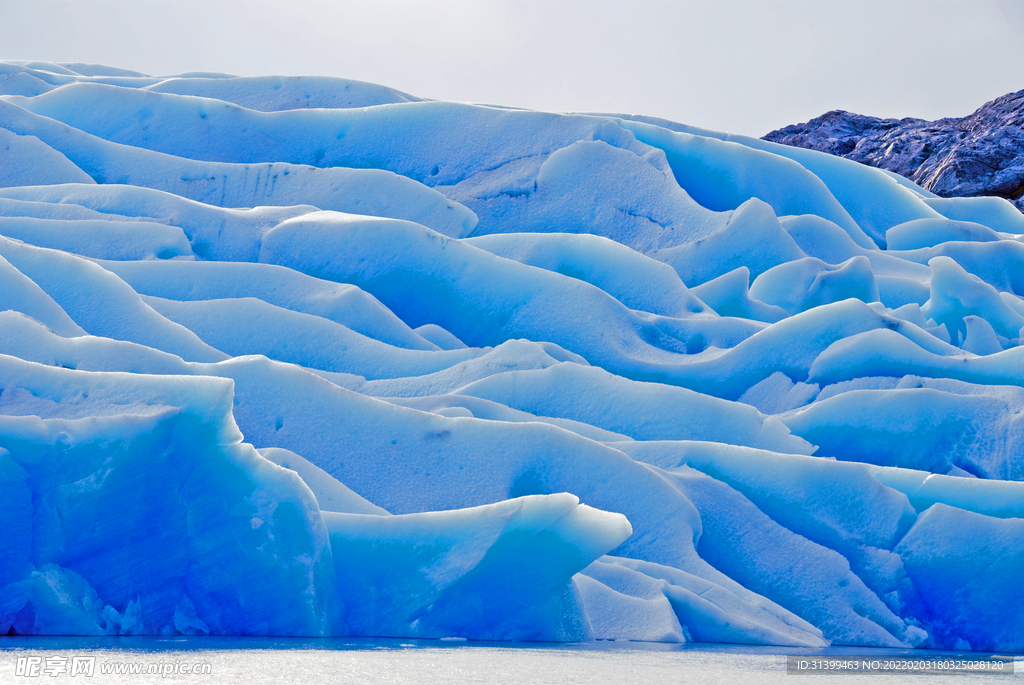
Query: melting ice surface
{"x": 312, "y": 357}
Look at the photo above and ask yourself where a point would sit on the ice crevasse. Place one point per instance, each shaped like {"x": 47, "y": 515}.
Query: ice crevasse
{"x": 309, "y": 356}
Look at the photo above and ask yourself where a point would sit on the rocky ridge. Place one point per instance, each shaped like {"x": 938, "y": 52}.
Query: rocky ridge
{"x": 980, "y": 154}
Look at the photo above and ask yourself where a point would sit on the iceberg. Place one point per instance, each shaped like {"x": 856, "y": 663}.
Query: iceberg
{"x": 310, "y": 356}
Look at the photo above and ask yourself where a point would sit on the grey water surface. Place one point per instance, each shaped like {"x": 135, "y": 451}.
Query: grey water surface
{"x": 400, "y": 661}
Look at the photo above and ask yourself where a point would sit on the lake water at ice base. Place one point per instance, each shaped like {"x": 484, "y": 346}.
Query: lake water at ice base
{"x": 399, "y": 661}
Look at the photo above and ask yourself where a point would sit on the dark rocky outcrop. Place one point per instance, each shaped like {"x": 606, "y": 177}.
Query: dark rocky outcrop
{"x": 980, "y": 154}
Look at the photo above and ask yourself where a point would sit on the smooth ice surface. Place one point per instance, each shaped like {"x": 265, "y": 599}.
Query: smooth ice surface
{"x": 309, "y": 356}
{"x": 472, "y": 572}
{"x": 276, "y": 93}
{"x": 29, "y": 161}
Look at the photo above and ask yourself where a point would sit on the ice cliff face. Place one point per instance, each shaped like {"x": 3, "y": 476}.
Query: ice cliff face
{"x": 315, "y": 357}
{"x": 980, "y": 154}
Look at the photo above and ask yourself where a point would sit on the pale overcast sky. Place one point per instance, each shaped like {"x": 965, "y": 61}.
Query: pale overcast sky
{"x": 746, "y": 66}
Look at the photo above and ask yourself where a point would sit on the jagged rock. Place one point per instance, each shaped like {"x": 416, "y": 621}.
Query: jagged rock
{"x": 980, "y": 154}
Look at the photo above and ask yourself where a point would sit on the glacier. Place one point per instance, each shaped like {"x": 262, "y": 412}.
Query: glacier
{"x": 314, "y": 357}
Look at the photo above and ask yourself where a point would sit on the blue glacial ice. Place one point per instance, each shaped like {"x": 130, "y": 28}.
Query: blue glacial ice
{"x": 309, "y": 356}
